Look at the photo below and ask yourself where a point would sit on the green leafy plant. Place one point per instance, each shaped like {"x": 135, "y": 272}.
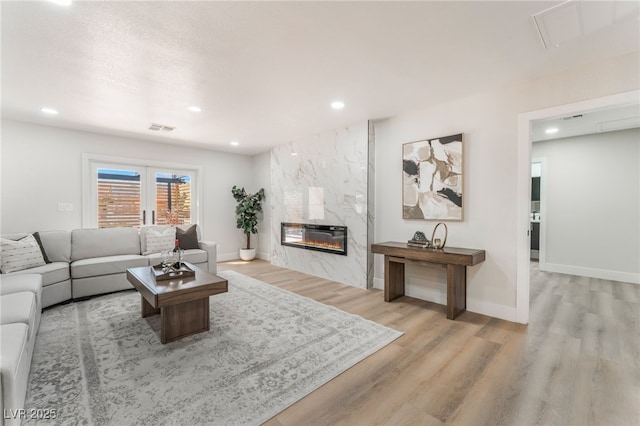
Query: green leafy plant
{"x": 247, "y": 211}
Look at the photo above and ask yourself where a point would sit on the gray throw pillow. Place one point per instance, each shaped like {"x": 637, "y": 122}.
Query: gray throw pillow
{"x": 36, "y": 235}
{"x": 188, "y": 239}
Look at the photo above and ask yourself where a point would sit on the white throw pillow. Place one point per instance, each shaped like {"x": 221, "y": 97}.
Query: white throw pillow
{"x": 22, "y": 254}
{"x": 159, "y": 241}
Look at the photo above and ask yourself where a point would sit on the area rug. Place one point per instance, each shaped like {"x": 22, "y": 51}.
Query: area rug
{"x": 98, "y": 362}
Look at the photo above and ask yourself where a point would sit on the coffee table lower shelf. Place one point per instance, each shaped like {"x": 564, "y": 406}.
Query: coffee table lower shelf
{"x": 180, "y": 320}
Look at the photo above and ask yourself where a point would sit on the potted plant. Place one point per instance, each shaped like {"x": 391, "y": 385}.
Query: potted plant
{"x": 247, "y": 216}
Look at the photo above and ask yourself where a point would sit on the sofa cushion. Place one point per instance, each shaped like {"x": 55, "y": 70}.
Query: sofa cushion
{"x": 191, "y": 256}
{"x": 92, "y": 243}
{"x": 57, "y": 245}
{"x": 51, "y": 273}
{"x": 21, "y": 254}
{"x": 159, "y": 241}
{"x": 15, "y": 359}
{"x": 20, "y": 308}
{"x": 18, "y": 283}
{"x": 188, "y": 238}
{"x": 106, "y": 265}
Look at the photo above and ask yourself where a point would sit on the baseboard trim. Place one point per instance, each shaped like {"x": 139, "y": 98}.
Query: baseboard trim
{"x": 504, "y": 312}
{"x": 378, "y": 283}
{"x": 625, "y": 277}
{"x": 264, "y": 255}
{"x": 225, "y": 257}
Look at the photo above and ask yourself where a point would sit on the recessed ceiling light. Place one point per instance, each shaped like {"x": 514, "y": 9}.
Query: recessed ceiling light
{"x": 194, "y": 108}
{"x": 234, "y": 143}
{"x": 551, "y": 130}
{"x": 49, "y": 111}
{"x": 294, "y": 153}
{"x": 337, "y": 105}
{"x": 62, "y": 2}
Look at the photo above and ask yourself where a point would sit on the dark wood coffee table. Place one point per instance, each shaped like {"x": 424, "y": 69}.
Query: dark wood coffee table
{"x": 183, "y": 304}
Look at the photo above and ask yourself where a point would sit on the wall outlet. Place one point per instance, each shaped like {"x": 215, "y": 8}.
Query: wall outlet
{"x": 65, "y": 207}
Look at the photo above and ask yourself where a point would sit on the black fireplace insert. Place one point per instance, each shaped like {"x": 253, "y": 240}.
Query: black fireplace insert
{"x": 326, "y": 238}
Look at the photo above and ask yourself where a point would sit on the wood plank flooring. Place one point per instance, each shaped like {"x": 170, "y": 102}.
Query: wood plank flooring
{"x": 576, "y": 363}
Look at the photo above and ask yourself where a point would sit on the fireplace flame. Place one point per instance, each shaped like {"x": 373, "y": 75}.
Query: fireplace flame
{"x": 334, "y": 246}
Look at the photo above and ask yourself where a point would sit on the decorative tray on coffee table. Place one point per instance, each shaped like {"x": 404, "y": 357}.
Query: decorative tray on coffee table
{"x": 183, "y": 272}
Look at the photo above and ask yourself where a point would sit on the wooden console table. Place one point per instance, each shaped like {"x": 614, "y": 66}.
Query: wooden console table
{"x": 396, "y": 255}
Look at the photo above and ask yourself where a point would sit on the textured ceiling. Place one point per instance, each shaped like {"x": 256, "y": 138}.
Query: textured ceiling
{"x": 265, "y": 73}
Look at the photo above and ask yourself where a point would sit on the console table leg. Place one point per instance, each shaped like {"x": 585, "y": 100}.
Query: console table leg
{"x": 393, "y": 279}
{"x": 456, "y": 290}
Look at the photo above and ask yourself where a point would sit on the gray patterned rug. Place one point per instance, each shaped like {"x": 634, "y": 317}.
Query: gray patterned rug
{"x": 98, "y": 362}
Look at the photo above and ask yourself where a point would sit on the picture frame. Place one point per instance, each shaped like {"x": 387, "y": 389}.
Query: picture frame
{"x": 433, "y": 178}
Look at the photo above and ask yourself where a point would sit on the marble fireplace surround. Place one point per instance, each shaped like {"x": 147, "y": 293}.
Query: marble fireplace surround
{"x": 323, "y": 180}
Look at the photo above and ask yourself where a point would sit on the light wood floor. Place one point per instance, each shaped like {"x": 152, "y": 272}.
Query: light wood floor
{"x": 576, "y": 363}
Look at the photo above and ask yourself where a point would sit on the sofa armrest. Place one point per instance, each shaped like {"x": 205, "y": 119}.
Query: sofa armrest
{"x": 212, "y": 255}
{"x": 18, "y": 283}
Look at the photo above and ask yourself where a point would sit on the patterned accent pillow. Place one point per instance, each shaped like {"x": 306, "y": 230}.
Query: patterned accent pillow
{"x": 159, "y": 241}
{"x": 19, "y": 255}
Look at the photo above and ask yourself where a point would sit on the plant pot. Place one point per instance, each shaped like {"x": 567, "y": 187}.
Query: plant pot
{"x": 247, "y": 254}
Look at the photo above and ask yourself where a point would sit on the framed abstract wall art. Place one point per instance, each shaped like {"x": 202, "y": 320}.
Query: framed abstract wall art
{"x": 432, "y": 176}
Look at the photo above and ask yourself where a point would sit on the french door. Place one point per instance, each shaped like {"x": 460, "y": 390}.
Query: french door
{"x": 135, "y": 195}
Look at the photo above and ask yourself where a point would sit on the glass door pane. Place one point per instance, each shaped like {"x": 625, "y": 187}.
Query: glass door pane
{"x": 119, "y": 197}
{"x": 173, "y": 195}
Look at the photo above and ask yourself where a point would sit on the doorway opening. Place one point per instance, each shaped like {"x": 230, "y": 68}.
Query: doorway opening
{"x": 525, "y": 125}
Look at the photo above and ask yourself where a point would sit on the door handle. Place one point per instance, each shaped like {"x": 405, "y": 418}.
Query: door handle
{"x": 144, "y": 217}
{"x": 153, "y": 217}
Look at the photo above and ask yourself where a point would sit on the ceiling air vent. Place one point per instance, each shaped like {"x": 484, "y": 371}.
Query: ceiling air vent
{"x": 157, "y": 127}
{"x": 572, "y": 19}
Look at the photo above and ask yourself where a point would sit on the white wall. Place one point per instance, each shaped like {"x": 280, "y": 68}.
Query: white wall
{"x": 489, "y": 122}
{"x": 261, "y": 165}
{"x": 42, "y": 166}
{"x": 592, "y": 220}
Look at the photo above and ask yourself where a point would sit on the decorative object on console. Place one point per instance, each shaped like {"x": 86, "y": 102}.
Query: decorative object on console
{"x": 419, "y": 240}
{"x": 432, "y": 178}
{"x": 249, "y": 205}
{"x": 438, "y": 243}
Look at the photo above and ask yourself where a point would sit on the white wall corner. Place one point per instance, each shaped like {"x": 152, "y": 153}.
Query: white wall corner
{"x": 225, "y": 257}
{"x": 378, "y": 283}
{"x": 507, "y": 313}
{"x": 264, "y": 255}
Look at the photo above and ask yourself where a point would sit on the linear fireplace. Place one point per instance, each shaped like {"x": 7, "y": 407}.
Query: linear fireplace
{"x": 327, "y": 238}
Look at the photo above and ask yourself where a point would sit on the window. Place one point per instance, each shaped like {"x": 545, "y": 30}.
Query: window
{"x": 120, "y": 194}
{"x": 119, "y": 198}
{"x": 173, "y": 199}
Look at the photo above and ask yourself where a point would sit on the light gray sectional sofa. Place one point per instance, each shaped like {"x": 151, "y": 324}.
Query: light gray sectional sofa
{"x": 20, "y": 308}
{"x": 82, "y": 263}
{"x": 87, "y": 262}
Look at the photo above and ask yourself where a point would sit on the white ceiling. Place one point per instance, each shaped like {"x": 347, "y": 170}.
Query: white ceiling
{"x": 265, "y": 73}
{"x": 587, "y": 122}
